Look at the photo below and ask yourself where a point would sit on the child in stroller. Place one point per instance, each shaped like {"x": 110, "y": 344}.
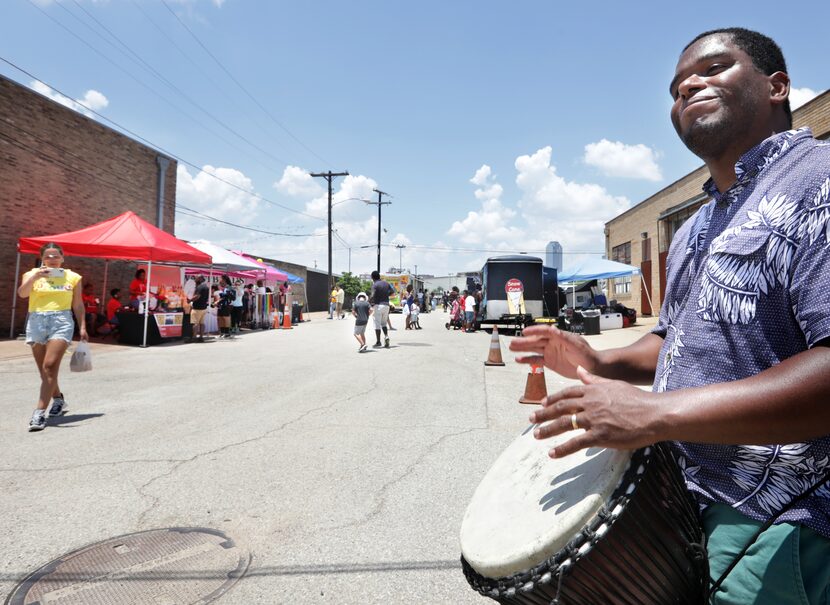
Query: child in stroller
{"x": 455, "y": 321}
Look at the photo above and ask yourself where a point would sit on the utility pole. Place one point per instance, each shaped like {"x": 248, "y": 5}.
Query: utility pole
{"x": 379, "y": 205}
{"x": 329, "y": 176}
{"x": 400, "y": 248}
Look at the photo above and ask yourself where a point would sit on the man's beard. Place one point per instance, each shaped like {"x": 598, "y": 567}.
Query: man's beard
{"x": 714, "y": 136}
{"x": 711, "y": 139}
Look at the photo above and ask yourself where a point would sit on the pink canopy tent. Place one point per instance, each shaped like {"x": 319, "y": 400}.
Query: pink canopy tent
{"x": 271, "y": 273}
{"x": 124, "y": 237}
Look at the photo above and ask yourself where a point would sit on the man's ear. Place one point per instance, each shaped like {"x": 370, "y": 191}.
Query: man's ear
{"x": 779, "y": 83}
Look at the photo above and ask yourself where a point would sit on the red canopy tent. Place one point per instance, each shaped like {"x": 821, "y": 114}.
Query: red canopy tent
{"x": 124, "y": 237}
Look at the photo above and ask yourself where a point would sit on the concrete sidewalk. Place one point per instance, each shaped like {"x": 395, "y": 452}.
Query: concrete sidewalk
{"x": 346, "y": 475}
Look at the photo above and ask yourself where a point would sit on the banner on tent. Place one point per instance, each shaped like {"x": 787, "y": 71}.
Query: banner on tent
{"x": 166, "y": 288}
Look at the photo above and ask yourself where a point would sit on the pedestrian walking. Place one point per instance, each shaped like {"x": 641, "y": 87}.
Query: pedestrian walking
{"x": 339, "y": 299}
{"x": 54, "y": 294}
{"x": 361, "y": 311}
{"x": 381, "y": 291}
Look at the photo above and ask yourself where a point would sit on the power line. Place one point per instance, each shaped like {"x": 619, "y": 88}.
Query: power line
{"x": 201, "y": 215}
{"x": 216, "y": 86}
{"x": 161, "y": 149}
{"x": 157, "y": 75}
{"x": 118, "y": 183}
{"x": 245, "y": 90}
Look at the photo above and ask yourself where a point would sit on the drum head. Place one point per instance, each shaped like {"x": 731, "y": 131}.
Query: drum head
{"x": 529, "y": 506}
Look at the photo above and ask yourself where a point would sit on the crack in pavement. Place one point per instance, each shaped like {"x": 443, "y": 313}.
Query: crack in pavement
{"x": 142, "y": 490}
{"x": 378, "y": 508}
{"x": 92, "y": 464}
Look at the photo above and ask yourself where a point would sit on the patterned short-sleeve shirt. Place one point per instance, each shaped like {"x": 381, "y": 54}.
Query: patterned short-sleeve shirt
{"x": 748, "y": 287}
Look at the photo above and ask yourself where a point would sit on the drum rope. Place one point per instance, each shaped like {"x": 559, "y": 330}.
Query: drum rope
{"x": 767, "y": 524}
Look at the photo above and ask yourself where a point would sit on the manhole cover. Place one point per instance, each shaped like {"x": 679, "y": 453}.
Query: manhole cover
{"x": 175, "y": 566}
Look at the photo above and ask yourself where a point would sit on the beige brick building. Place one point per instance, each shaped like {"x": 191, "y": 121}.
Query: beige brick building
{"x": 641, "y": 235}
{"x": 61, "y": 171}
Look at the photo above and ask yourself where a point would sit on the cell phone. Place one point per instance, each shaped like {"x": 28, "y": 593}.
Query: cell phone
{"x": 55, "y": 272}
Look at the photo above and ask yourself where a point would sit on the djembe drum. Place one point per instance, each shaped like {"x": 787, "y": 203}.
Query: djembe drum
{"x": 598, "y": 527}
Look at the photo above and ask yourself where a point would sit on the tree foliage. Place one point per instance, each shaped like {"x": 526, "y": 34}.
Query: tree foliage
{"x": 353, "y": 285}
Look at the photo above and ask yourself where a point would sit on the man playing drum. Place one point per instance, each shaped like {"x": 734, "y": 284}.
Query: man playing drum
{"x": 740, "y": 354}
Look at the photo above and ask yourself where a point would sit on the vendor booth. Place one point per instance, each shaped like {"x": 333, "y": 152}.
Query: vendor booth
{"x": 127, "y": 237}
{"x": 599, "y": 268}
{"x": 265, "y": 303}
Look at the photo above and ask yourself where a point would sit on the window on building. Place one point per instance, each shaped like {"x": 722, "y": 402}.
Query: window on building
{"x": 670, "y": 225}
{"x": 622, "y": 254}
{"x": 622, "y": 285}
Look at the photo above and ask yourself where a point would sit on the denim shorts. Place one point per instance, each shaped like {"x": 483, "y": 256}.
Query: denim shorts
{"x": 49, "y": 325}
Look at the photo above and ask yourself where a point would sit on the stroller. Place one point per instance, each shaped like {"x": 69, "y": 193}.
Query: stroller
{"x": 455, "y": 317}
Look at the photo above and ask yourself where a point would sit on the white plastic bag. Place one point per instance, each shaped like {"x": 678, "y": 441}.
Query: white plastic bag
{"x": 81, "y": 360}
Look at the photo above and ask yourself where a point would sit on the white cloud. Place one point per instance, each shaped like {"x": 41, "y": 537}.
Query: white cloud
{"x": 545, "y": 191}
{"x": 297, "y": 182}
{"x": 95, "y": 100}
{"x": 800, "y": 96}
{"x": 491, "y": 221}
{"x": 620, "y": 160}
{"x": 218, "y": 3}
{"x": 571, "y": 213}
{"x": 218, "y": 199}
{"x": 482, "y": 175}
{"x": 92, "y": 100}
{"x": 345, "y": 199}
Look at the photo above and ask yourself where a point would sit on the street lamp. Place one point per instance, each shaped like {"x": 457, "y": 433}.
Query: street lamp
{"x": 400, "y": 247}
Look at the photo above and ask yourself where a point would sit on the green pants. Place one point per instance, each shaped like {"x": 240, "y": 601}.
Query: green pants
{"x": 788, "y": 564}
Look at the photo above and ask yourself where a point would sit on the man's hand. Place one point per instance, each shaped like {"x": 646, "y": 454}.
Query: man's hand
{"x": 611, "y": 412}
{"x": 560, "y": 351}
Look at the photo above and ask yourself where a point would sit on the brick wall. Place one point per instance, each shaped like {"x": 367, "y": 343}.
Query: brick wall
{"x": 61, "y": 171}
{"x": 643, "y": 218}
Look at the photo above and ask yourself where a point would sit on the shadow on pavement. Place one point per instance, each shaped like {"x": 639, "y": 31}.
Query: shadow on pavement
{"x": 70, "y": 419}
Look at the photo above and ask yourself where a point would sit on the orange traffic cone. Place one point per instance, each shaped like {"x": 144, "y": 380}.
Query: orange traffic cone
{"x": 286, "y": 318}
{"x": 535, "y": 388}
{"x": 494, "y": 357}
{"x": 276, "y": 323}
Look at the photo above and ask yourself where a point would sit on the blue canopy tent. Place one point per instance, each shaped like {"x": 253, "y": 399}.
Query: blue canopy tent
{"x": 600, "y": 268}
{"x": 294, "y": 279}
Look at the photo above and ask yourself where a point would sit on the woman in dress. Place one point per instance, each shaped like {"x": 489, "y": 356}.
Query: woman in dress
{"x": 54, "y": 294}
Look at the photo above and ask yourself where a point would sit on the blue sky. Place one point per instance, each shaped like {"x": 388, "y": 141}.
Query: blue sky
{"x": 493, "y": 125}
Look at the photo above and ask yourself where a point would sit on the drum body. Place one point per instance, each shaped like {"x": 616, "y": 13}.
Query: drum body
{"x": 599, "y": 527}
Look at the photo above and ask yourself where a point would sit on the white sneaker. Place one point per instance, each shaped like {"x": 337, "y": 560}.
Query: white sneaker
{"x": 38, "y": 421}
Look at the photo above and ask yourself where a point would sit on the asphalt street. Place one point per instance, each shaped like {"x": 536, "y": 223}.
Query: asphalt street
{"x": 345, "y": 475}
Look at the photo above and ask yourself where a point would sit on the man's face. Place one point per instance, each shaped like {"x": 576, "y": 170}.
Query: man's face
{"x": 718, "y": 96}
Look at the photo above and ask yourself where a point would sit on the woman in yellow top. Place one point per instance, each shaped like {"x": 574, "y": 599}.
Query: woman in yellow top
{"x": 54, "y": 294}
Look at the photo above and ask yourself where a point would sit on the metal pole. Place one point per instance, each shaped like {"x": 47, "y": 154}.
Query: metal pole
{"x": 14, "y": 294}
{"x": 329, "y": 282}
{"x": 104, "y": 299}
{"x": 380, "y": 205}
{"x": 645, "y": 289}
{"x": 147, "y": 300}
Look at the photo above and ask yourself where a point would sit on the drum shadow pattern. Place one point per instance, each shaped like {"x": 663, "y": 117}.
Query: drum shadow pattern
{"x": 567, "y": 498}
